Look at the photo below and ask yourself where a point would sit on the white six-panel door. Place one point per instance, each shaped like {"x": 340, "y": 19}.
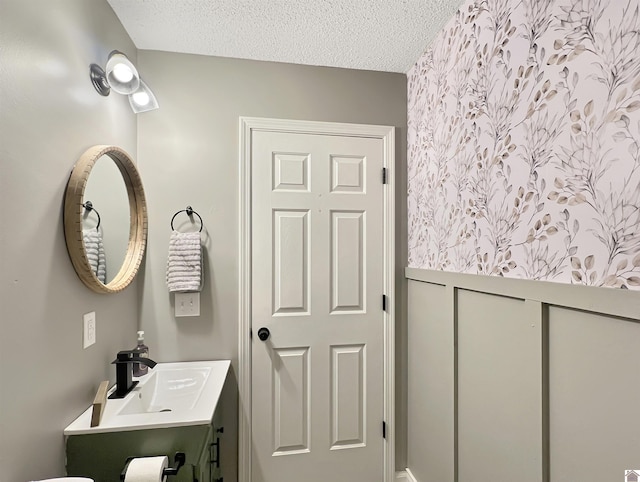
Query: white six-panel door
{"x": 317, "y": 237}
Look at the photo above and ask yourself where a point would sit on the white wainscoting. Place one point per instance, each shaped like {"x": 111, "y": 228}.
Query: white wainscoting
{"x": 521, "y": 380}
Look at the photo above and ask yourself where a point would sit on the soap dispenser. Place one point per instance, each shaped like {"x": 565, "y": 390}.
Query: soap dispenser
{"x": 143, "y": 351}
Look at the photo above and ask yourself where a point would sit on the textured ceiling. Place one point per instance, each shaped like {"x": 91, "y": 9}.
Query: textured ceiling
{"x": 384, "y": 35}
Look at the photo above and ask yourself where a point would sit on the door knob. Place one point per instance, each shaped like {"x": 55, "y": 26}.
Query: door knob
{"x": 264, "y": 333}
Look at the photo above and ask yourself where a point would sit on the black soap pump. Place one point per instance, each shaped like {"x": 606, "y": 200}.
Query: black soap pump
{"x": 143, "y": 352}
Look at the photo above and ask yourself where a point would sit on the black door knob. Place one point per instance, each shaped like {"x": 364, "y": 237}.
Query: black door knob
{"x": 264, "y": 333}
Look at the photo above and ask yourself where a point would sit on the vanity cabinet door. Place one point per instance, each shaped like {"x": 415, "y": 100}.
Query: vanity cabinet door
{"x": 203, "y": 470}
{"x": 217, "y": 437}
{"x": 209, "y": 466}
{"x": 214, "y": 454}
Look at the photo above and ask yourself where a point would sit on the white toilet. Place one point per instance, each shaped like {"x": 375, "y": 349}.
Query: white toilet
{"x": 66, "y": 479}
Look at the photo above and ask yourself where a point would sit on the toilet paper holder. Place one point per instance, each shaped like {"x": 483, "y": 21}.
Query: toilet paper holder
{"x": 178, "y": 461}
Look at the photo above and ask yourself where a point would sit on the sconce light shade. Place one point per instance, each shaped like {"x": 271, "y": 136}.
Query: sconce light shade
{"x": 143, "y": 100}
{"x": 122, "y": 74}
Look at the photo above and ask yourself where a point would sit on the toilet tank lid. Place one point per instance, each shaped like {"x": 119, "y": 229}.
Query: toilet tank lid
{"x": 66, "y": 479}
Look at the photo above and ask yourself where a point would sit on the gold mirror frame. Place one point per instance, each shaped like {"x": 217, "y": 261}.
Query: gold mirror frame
{"x": 73, "y": 210}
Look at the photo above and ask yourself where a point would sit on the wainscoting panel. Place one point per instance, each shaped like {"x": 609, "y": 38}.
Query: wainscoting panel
{"x": 431, "y": 383}
{"x": 499, "y": 378}
{"x": 594, "y": 397}
{"x": 521, "y": 380}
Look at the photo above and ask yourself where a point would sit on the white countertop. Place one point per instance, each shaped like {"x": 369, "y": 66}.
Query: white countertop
{"x": 198, "y": 410}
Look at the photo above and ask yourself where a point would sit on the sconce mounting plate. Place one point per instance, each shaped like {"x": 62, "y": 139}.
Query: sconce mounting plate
{"x": 99, "y": 80}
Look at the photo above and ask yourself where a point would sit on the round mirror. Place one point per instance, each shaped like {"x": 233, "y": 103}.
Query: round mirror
{"x": 105, "y": 219}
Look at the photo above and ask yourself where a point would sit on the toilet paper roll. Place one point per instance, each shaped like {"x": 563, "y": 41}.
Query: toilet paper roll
{"x": 146, "y": 469}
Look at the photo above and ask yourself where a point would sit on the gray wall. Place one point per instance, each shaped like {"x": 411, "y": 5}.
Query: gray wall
{"x": 521, "y": 380}
{"x": 188, "y": 155}
{"x": 49, "y": 114}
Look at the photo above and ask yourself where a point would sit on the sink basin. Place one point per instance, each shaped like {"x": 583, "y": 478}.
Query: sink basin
{"x": 168, "y": 389}
{"x": 170, "y": 395}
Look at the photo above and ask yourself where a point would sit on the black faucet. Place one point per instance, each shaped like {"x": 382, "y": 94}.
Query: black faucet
{"x": 124, "y": 369}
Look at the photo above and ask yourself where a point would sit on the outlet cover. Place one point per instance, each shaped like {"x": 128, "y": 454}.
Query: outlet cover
{"x": 187, "y": 304}
{"x": 89, "y": 330}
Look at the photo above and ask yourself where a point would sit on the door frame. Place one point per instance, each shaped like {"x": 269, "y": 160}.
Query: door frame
{"x": 247, "y": 126}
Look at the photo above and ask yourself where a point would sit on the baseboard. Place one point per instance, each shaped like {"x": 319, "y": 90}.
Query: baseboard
{"x": 405, "y": 476}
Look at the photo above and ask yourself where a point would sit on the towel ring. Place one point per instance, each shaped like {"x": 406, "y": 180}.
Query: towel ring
{"x": 190, "y": 212}
{"x": 89, "y": 207}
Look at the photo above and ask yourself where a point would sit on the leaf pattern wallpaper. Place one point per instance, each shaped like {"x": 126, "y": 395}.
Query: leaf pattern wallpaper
{"x": 524, "y": 143}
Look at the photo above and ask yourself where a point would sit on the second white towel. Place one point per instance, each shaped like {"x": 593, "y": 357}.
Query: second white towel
{"x": 94, "y": 249}
{"x": 184, "y": 263}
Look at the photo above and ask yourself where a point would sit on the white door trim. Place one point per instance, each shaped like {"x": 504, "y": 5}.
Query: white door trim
{"x": 387, "y": 134}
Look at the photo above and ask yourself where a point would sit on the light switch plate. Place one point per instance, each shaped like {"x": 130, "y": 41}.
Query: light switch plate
{"x": 187, "y": 304}
{"x": 89, "y": 330}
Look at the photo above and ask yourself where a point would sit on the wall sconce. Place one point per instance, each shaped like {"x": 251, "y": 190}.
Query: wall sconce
{"x": 122, "y": 77}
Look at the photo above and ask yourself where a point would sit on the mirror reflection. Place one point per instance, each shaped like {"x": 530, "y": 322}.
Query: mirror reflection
{"x": 105, "y": 219}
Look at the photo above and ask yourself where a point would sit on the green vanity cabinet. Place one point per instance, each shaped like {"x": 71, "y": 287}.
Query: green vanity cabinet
{"x": 102, "y": 456}
{"x": 175, "y": 408}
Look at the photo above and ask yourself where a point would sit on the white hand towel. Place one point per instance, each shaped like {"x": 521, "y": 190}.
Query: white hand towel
{"x": 184, "y": 263}
{"x": 94, "y": 248}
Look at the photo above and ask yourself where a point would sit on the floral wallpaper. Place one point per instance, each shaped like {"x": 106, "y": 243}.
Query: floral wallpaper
{"x": 524, "y": 143}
